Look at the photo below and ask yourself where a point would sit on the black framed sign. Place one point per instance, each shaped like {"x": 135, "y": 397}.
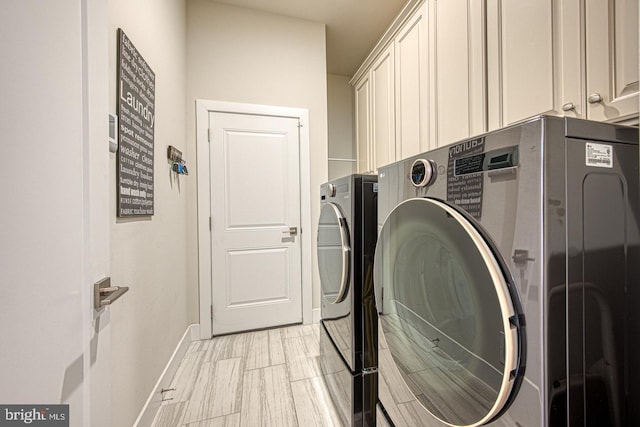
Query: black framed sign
{"x": 136, "y": 123}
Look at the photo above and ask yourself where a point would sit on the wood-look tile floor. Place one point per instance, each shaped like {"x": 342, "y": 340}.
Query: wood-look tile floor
{"x": 261, "y": 378}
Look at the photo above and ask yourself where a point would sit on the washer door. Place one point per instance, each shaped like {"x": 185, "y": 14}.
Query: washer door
{"x": 333, "y": 254}
{"x": 447, "y": 313}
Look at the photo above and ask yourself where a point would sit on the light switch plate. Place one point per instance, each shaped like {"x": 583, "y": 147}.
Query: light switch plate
{"x": 113, "y": 133}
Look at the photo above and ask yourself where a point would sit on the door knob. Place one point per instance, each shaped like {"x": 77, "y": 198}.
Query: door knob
{"x": 105, "y": 294}
{"x": 594, "y": 98}
{"x": 569, "y": 106}
{"x": 293, "y": 231}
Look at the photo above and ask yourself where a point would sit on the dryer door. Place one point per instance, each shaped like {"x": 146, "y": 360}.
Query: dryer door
{"x": 447, "y": 313}
{"x": 333, "y": 254}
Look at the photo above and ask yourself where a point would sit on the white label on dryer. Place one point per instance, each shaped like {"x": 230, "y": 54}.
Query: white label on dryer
{"x": 599, "y": 155}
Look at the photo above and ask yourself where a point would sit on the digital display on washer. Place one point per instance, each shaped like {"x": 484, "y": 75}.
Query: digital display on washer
{"x": 469, "y": 165}
{"x": 483, "y": 162}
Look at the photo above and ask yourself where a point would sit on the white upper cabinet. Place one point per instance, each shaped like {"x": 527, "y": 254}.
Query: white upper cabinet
{"x": 363, "y": 124}
{"x": 383, "y": 109}
{"x": 520, "y": 60}
{"x": 392, "y": 93}
{"x": 447, "y": 70}
{"x": 375, "y": 121}
{"x": 569, "y": 56}
{"x": 577, "y": 58}
{"x": 412, "y": 86}
{"x": 611, "y": 59}
{"x": 458, "y": 58}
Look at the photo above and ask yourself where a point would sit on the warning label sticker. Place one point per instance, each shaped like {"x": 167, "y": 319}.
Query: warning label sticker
{"x": 599, "y": 155}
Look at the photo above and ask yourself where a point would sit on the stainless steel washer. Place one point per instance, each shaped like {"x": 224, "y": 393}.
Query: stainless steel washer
{"x": 348, "y": 344}
{"x": 507, "y": 279}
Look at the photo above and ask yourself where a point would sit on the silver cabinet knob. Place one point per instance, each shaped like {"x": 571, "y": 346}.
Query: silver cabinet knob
{"x": 569, "y": 106}
{"x": 594, "y": 98}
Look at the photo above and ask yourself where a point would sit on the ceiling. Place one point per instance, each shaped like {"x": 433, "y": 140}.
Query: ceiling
{"x": 353, "y": 26}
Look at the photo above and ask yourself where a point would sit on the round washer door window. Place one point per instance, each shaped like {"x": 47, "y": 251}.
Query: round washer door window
{"x": 446, "y": 312}
{"x": 333, "y": 254}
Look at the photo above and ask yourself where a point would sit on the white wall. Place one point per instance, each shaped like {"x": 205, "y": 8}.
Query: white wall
{"x": 341, "y": 133}
{"x": 241, "y": 55}
{"x": 149, "y": 254}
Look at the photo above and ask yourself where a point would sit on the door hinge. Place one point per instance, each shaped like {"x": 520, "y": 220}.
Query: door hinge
{"x": 300, "y": 123}
{"x": 211, "y": 311}
{"x": 209, "y": 135}
{"x": 209, "y": 223}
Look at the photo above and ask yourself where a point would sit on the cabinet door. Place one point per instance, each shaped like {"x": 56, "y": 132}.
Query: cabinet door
{"x": 363, "y": 121}
{"x": 459, "y": 69}
{"x": 612, "y": 59}
{"x": 570, "y": 59}
{"x": 383, "y": 109}
{"x": 520, "y": 49}
{"x": 412, "y": 87}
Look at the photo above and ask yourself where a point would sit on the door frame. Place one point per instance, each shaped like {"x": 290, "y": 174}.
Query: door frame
{"x": 203, "y": 109}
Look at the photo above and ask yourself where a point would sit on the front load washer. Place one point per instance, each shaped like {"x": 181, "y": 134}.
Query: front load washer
{"x": 507, "y": 279}
{"x": 347, "y": 233}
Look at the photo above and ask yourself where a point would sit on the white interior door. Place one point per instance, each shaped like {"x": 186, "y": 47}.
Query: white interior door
{"x": 255, "y": 201}
{"x": 54, "y": 241}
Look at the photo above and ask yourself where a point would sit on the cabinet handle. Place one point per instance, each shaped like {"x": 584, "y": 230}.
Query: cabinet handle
{"x": 594, "y": 98}
{"x": 568, "y": 106}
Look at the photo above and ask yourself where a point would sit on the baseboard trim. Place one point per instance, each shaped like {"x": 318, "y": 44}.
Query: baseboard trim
{"x": 152, "y": 405}
{"x": 316, "y": 315}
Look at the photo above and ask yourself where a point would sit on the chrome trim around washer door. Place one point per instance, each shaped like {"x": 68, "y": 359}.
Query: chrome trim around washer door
{"x": 511, "y": 356}
{"x": 346, "y": 254}
{"x": 346, "y": 270}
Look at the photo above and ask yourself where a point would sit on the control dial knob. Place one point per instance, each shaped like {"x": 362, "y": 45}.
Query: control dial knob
{"x": 422, "y": 173}
{"x": 332, "y": 190}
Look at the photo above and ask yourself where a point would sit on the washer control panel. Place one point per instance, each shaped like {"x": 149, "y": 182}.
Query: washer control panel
{"x": 422, "y": 173}
{"x": 328, "y": 191}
